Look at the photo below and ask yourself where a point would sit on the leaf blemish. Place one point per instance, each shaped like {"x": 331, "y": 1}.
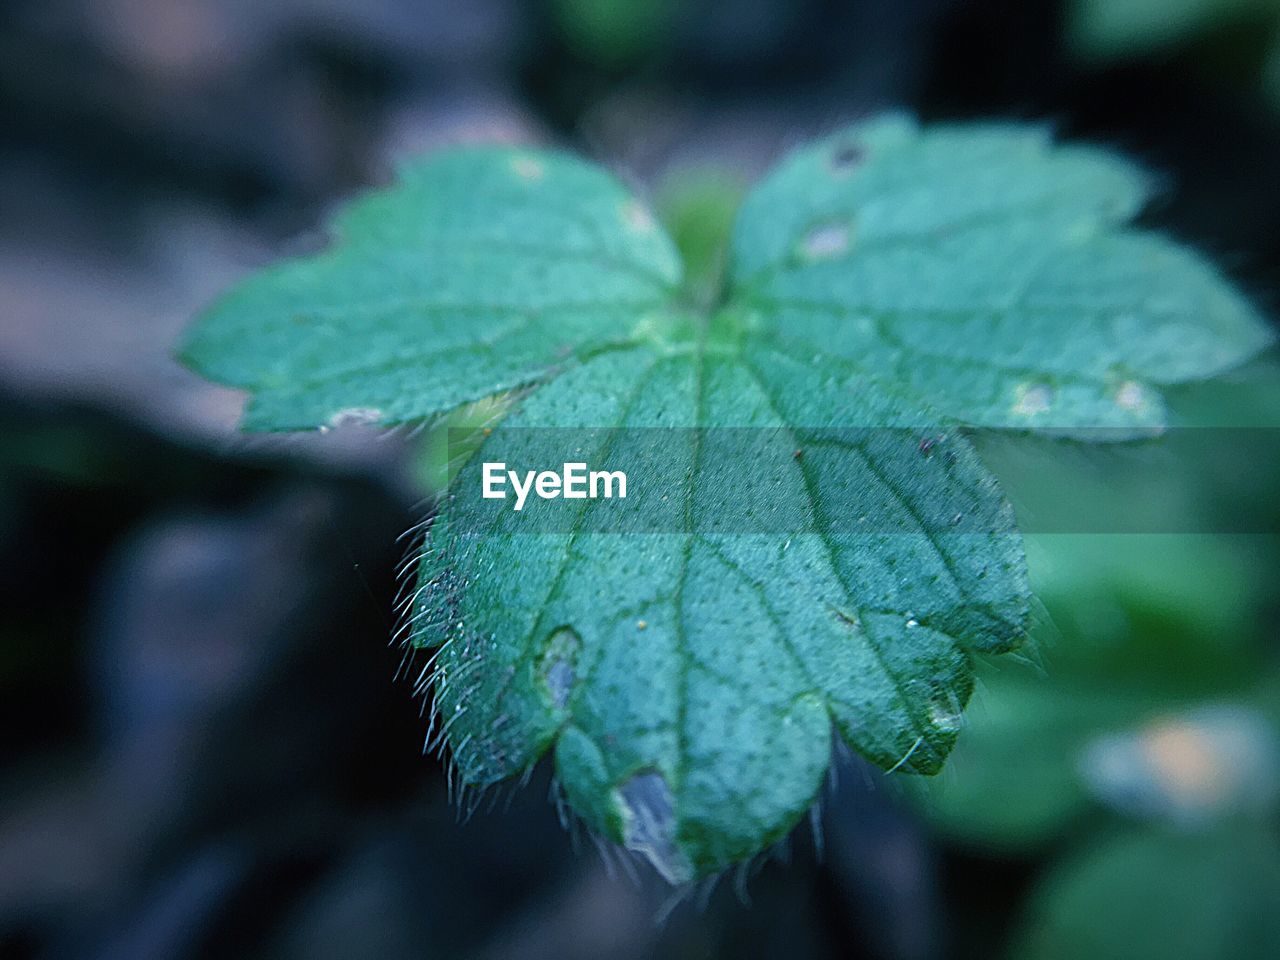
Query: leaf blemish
{"x": 1131, "y": 395}
{"x": 527, "y": 168}
{"x": 355, "y": 415}
{"x": 846, "y": 618}
{"x": 1032, "y": 399}
{"x": 945, "y": 712}
{"x": 649, "y": 825}
{"x": 826, "y": 241}
{"x": 559, "y": 664}
{"x": 637, "y": 217}
{"x": 927, "y": 444}
{"x": 845, "y": 157}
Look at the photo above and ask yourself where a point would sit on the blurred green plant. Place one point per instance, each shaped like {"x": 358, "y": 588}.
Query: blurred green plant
{"x": 1161, "y": 893}
{"x": 697, "y": 206}
{"x": 1271, "y": 73}
{"x": 1150, "y": 735}
{"x": 1232, "y": 36}
{"x": 613, "y": 33}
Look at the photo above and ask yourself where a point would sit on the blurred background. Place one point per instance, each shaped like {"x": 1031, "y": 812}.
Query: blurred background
{"x": 206, "y": 746}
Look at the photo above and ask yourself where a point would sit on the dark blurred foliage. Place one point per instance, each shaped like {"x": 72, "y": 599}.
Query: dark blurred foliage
{"x": 209, "y": 746}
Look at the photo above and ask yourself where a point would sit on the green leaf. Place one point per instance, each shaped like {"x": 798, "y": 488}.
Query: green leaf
{"x": 1155, "y": 634}
{"x": 479, "y": 272}
{"x": 1155, "y": 894}
{"x": 715, "y": 664}
{"x": 813, "y": 550}
{"x": 1141, "y": 629}
{"x": 1039, "y": 755}
{"x": 989, "y": 272}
